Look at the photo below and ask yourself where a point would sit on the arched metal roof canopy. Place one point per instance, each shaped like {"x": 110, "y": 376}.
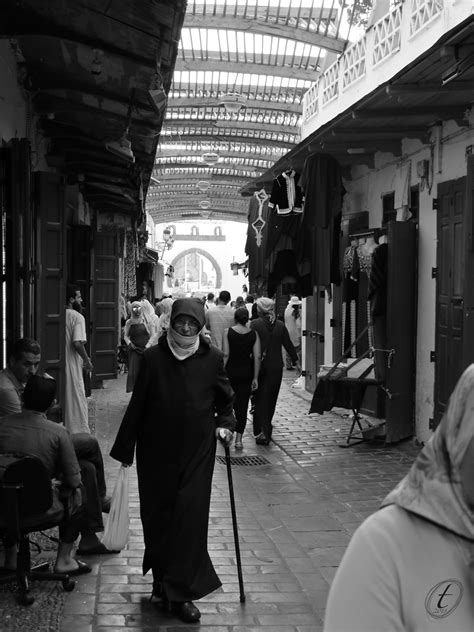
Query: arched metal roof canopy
{"x": 235, "y": 102}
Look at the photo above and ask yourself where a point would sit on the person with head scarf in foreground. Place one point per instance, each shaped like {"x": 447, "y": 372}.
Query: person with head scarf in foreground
{"x": 181, "y": 402}
{"x": 409, "y": 565}
{"x": 273, "y": 335}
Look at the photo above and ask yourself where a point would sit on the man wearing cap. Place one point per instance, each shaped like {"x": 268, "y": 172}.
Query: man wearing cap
{"x": 292, "y": 318}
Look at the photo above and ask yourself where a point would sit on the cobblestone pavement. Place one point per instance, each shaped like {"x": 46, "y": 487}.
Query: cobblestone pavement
{"x": 296, "y": 514}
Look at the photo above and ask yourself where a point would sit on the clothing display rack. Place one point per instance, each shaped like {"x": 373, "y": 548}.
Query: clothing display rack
{"x": 338, "y": 388}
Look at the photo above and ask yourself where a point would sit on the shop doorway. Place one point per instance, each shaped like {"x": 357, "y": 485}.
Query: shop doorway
{"x": 314, "y": 337}
{"x": 450, "y": 266}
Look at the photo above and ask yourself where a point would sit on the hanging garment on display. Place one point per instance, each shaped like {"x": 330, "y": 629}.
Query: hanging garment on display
{"x": 280, "y": 253}
{"x": 365, "y": 257}
{"x": 377, "y": 296}
{"x": 317, "y": 246}
{"x": 349, "y": 298}
{"x": 257, "y": 230}
{"x": 259, "y": 223}
{"x": 364, "y": 261}
{"x": 286, "y": 196}
{"x": 130, "y": 266}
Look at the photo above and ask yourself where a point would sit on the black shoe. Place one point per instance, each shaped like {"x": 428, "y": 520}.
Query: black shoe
{"x": 261, "y": 439}
{"x": 158, "y": 596}
{"x": 186, "y": 611}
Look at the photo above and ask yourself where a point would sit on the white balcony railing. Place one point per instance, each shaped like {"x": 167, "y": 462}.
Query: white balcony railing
{"x": 353, "y": 63}
{"x": 387, "y": 35}
{"x": 410, "y": 27}
{"x": 423, "y": 12}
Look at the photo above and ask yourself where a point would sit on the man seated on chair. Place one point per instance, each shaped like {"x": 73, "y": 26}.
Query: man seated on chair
{"x": 30, "y": 432}
{"x": 22, "y": 363}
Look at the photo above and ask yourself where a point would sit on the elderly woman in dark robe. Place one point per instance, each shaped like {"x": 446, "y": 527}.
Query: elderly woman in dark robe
{"x": 182, "y": 401}
{"x": 273, "y": 336}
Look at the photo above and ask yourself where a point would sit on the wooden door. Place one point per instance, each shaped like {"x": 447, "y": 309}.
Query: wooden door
{"x": 19, "y": 236}
{"x": 104, "y": 305}
{"x": 310, "y": 344}
{"x": 314, "y": 338}
{"x": 402, "y": 273}
{"x": 7, "y": 275}
{"x": 51, "y": 274}
{"x": 468, "y": 325}
{"x": 450, "y": 264}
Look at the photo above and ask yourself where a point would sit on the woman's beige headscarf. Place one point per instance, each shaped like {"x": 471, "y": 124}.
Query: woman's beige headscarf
{"x": 141, "y": 318}
{"x": 183, "y": 347}
{"x": 433, "y": 488}
{"x": 165, "y": 305}
{"x": 266, "y": 308}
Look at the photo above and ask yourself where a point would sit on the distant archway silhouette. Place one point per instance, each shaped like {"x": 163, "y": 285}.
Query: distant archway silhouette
{"x": 203, "y": 253}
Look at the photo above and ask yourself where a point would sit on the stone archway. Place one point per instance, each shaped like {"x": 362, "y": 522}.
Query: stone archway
{"x": 176, "y": 263}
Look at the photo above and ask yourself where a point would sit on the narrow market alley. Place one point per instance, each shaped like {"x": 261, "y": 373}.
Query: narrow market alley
{"x": 298, "y": 501}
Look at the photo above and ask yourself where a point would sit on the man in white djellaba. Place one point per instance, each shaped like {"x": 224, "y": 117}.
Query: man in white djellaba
{"x": 76, "y": 415}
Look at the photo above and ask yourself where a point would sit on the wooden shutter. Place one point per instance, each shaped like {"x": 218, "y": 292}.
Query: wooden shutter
{"x": 104, "y": 307}
{"x": 401, "y": 329}
{"x": 468, "y": 336}
{"x": 50, "y": 295}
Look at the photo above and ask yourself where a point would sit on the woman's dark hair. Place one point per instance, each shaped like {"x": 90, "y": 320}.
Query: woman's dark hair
{"x": 39, "y": 393}
{"x": 241, "y": 315}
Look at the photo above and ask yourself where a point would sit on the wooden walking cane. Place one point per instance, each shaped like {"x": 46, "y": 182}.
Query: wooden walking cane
{"x": 234, "y": 523}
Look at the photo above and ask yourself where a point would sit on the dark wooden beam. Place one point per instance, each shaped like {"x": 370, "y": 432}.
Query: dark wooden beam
{"x": 43, "y": 81}
{"x": 425, "y": 110}
{"x": 46, "y": 103}
{"x": 88, "y": 166}
{"x": 26, "y": 26}
{"x": 381, "y": 133}
{"x": 371, "y": 145}
{"x": 420, "y": 88}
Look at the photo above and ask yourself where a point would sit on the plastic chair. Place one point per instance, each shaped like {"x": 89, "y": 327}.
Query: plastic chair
{"x": 27, "y": 504}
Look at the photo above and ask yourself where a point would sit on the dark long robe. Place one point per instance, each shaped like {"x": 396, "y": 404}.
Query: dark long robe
{"x": 172, "y": 416}
{"x": 272, "y": 337}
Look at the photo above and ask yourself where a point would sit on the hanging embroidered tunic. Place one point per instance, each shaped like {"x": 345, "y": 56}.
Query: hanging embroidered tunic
{"x": 286, "y": 196}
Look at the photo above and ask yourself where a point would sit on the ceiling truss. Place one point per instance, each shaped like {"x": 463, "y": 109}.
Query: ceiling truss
{"x": 265, "y": 55}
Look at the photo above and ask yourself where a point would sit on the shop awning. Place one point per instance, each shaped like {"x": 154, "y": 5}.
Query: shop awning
{"x": 98, "y": 73}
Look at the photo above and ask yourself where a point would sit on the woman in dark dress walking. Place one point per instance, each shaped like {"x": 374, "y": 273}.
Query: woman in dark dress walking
{"x": 241, "y": 348}
{"x": 136, "y": 336}
{"x": 273, "y": 335}
{"x": 181, "y": 402}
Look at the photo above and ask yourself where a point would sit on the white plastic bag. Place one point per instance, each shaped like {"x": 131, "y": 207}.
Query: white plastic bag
{"x": 116, "y": 529}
